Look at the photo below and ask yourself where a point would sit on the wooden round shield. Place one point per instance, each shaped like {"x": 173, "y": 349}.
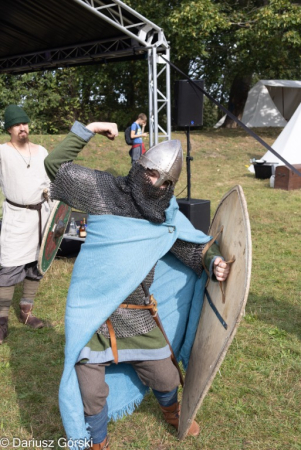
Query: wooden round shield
{"x": 220, "y": 314}
{"x": 53, "y": 235}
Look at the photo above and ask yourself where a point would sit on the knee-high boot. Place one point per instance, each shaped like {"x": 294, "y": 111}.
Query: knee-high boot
{"x": 6, "y": 296}
{"x": 30, "y": 288}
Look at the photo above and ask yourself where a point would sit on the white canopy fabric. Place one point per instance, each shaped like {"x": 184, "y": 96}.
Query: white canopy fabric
{"x": 271, "y": 103}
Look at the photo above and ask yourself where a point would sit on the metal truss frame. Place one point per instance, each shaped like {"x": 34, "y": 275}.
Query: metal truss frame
{"x": 92, "y": 52}
{"x": 151, "y": 37}
{"x": 138, "y": 35}
{"x": 159, "y": 99}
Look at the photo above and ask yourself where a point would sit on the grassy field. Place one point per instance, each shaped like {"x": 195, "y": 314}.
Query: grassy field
{"x": 254, "y": 402}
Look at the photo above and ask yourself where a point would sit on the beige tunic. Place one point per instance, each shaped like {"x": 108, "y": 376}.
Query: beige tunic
{"x": 22, "y": 185}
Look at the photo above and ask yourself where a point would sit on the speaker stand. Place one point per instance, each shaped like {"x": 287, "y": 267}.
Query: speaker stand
{"x": 188, "y": 168}
{"x": 197, "y": 211}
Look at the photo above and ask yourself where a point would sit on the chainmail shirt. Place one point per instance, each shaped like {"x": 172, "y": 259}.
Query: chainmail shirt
{"x": 96, "y": 192}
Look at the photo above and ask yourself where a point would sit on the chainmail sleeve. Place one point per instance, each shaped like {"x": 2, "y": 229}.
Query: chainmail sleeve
{"x": 84, "y": 189}
{"x": 190, "y": 254}
{"x": 74, "y": 185}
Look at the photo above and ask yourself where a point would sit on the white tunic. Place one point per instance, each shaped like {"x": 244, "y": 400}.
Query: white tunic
{"x": 22, "y": 185}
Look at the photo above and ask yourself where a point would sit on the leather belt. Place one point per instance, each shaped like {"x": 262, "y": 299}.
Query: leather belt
{"x": 152, "y": 307}
{"x": 36, "y": 207}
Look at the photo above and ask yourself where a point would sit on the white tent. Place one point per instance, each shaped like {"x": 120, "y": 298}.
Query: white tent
{"x": 287, "y": 143}
{"x": 271, "y": 103}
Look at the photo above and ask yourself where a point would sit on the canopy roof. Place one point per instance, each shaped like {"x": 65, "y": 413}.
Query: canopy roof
{"x": 45, "y": 34}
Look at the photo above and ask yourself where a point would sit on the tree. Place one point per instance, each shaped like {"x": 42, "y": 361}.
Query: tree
{"x": 267, "y": 41}
{"x": 231, "y": 44}
{"x": 46, "y": 96}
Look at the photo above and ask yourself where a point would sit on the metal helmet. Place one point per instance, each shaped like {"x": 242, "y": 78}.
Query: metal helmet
{"x": 167, "y": 159}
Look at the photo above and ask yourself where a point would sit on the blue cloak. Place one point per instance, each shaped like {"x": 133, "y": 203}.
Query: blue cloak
{"x": 118, "y": 254}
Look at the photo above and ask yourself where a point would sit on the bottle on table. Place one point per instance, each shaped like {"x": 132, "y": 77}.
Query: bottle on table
{"x": 82, "y": 228}
{"x": 72, "y": 227}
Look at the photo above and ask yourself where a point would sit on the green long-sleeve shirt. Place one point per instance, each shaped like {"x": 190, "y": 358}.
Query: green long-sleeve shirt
{"x": 68, "y": 149}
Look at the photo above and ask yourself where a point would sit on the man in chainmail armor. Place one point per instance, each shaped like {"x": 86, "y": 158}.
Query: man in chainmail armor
{"x": 143, "y": 200}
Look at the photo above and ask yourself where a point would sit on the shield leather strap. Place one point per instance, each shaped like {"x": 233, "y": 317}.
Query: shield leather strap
{"x": 213, "y": 307}
{"x": 36, "y": 207}
{"x": 230, "y": 261}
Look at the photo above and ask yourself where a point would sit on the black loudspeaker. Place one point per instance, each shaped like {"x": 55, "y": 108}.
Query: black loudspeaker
{"x": 189, "y": 101}
{"x": 197, "y": 211}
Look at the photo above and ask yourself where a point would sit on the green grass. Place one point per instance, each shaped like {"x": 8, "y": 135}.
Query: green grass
{"x": 254, "y": 401}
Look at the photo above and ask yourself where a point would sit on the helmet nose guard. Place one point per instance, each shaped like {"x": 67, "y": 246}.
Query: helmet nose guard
{"x": 167, "y": 159}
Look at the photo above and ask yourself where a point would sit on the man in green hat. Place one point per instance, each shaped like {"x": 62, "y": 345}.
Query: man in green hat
{"x": 25, "y": 212}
